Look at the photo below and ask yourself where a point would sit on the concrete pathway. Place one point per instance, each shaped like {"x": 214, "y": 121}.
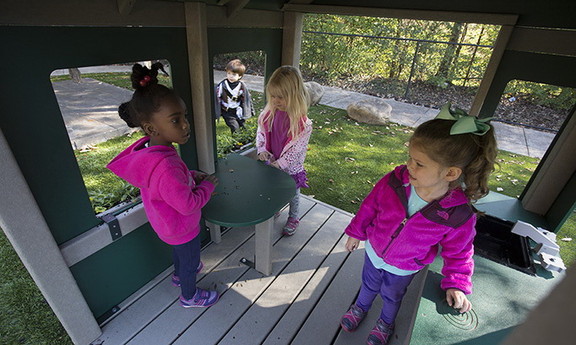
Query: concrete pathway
{"x": 90, "y": 112}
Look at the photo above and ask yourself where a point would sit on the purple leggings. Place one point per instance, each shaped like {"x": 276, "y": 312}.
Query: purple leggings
{"x": 391, "y": 288}
{"x": 186, "y": 259}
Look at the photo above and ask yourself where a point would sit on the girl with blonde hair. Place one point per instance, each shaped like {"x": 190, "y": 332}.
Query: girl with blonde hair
{"x": 284, "y": 131}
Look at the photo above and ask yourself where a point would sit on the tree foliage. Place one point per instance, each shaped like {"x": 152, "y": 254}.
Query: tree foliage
{"x": 388, "y": 47}
{"x": 403, "y": 51}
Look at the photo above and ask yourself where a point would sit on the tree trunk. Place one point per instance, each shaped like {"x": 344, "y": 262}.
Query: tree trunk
{"x": 75, "y": 75}
{"x": 454, "y": 63}
{"x": 449, "y": 53}
{"x": 396, "y": 65}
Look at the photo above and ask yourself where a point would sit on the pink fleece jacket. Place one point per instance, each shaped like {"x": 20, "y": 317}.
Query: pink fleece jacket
{"x": 410, "y": 243}
{"x": 172, "y": 199}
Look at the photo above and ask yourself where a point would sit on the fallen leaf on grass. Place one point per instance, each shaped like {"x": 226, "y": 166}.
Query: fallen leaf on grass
{"x": 88, "y": 148}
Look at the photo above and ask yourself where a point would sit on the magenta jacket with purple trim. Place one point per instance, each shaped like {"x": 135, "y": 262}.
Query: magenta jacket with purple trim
{"x": 410, "y": 243}
{"x": 172, "y": 200}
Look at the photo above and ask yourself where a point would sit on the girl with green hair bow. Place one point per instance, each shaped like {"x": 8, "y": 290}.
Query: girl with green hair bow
{"x": 417, "y": 208}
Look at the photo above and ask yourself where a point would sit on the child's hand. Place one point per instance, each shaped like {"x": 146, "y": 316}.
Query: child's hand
{"x": 199, "y": 176}
{"x": 264, "y": 156}
{"x": 352, "y": 243}
{"x": 275, "y": 165}
{"x": 457, "y": 300}
{"x": 211, "y": 178}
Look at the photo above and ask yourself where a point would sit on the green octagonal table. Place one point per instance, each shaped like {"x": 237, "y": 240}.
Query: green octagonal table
{"x": 249, "y": 193}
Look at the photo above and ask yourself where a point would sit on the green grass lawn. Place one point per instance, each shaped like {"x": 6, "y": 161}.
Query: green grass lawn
{"x": 345, "y": 159}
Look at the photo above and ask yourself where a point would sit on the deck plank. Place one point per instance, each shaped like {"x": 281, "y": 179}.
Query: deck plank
{"x": 130, "y": 321}
{"x": 221, "y": 317}
{"x": 174, "y": 320}
{"x": 314, "y": 280}
{"x": 263, "y": 315}
{"x": 323, "y": 323}
{"x": 290, "y": 323}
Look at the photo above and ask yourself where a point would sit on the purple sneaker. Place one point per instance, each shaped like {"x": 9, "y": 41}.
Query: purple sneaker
{"x": 290, "y": 227}
{"x": 352, "y": 318}
{"x": 176, "y": 279}
{"x": 202, "y": 299}
{"x": 380, "y": 334}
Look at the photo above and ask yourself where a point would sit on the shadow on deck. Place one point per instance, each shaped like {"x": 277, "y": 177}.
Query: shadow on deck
{"x": 314, "y": 280}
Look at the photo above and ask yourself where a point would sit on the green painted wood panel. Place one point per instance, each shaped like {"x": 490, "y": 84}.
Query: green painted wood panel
{"x": 31, "y": 119}
{"x": 534, "y": 67}
{"x": 112, "y": 274}
{"x": 33, "y": 125}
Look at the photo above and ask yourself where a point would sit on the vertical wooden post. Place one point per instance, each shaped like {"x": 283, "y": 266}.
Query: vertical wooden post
{"x": 292, "y": 38}
{"x": 263, "y": 249}
{"x": 197, "y": 37}
{"x": 25, "y": 227}
{"x": 499, "y": 47}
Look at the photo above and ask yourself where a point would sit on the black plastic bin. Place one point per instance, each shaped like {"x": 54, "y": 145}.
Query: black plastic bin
{"x": 495, "y": 241}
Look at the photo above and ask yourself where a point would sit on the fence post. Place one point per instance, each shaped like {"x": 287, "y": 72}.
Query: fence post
{"x": 412, "y": 69}
{"x": 473, "y": 56}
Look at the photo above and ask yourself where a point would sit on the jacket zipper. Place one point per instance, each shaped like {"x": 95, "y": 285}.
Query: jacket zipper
{"x": 400, "y": 227}
{"x": 395, "y": 234}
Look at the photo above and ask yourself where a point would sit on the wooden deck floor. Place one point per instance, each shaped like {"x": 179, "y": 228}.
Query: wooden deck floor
{"x": 314, "y": 280}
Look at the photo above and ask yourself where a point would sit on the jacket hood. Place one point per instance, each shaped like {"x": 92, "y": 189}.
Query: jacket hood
{"x": 136, "y": 164}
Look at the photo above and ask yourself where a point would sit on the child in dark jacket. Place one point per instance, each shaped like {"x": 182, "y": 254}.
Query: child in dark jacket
{"x": 418, "y": 207}
{"x": 173, "y": 196}
{"x": 233, "y": 99}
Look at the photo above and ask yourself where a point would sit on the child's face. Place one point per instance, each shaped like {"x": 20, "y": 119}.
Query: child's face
{"x": 426, "y": 175}
{"x": 232, "y": 76}
{"x": 169, "y": 124}
{"x": 279, "y": 102}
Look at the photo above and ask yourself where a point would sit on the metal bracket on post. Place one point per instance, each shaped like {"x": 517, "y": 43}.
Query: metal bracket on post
{"x": 113, "y": 226}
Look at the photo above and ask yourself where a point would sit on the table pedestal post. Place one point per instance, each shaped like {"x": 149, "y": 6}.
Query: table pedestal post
{"x": 215, "y": 232}
{"x": 263, "y": 256}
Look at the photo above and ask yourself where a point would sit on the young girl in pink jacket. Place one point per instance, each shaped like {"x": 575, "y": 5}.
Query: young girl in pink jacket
{"x": 173, "y": 196}
{"x": 418, "y": 207}
{"x": 284, "y": 131}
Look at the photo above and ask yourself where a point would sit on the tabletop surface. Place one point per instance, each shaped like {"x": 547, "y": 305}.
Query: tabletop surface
{"x": 249, "y": 192}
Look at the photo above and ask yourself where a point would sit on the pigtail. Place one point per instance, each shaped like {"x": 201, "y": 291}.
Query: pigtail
{"x": 477, "y": 172}
{"x": 147, "y": 97}
{"x": 142, "y": 77}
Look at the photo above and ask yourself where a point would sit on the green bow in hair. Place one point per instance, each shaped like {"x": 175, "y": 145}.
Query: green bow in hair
{"x": 464, "y": 122}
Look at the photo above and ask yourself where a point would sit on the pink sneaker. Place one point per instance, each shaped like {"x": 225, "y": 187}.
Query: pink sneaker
{"x": 202, "y": 299}
{"x": 176, "y": 279}
{"x": 380, "y": 334}
{"x": 352, "y": 318}
{"x": 290, "y": 227}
